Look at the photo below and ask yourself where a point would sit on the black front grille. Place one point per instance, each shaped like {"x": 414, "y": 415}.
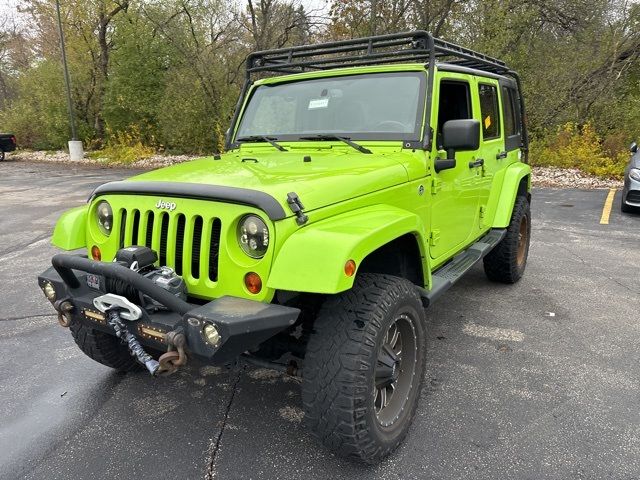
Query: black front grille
{"x": 149, "y": 238}
{"x": 179, "y": 243}
{"x": 214, "y": 249}
{"x": 164, "y": 238}
{"x": 195, "y": 247}
{"x": 135, "y": 239}
{"x": 172, "y": 234}
{"x": 122, "y": 229}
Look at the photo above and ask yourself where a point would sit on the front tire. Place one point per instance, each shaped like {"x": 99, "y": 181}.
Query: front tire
{"x": 364, "y": 366}
{"x": 103, "y": 348}
{"x": 507, "y": 261}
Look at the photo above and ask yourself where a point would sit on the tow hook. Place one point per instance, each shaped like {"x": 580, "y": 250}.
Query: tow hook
{"x": 175, "y": 356}
{"x": 64, "y": 310}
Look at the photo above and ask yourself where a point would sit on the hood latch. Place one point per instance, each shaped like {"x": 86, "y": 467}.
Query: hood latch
{"x": 296, "y": 207}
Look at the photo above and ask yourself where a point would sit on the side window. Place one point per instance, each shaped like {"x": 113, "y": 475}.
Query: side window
{"x": 454, "y": 104}
{"x": 511, "y": 124}
{"x": 490, "y": 115}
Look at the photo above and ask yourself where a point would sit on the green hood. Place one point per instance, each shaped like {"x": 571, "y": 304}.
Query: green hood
{"x": 330, "y": 177}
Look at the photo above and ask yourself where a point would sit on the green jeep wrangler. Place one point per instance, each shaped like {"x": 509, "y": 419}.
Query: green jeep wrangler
{"x": 362, "y": 179}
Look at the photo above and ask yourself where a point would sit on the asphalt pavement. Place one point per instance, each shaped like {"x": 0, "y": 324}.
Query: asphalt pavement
{"x": 539, "y": 380}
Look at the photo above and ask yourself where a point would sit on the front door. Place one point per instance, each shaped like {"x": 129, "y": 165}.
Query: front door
{"x": 454, "y": 213}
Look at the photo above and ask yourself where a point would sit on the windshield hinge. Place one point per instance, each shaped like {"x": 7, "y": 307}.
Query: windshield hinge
{"x": 296, "y": 207}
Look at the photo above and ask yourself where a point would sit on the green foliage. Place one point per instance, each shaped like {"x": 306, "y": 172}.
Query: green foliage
{"x": 124, "y": 147}
{"x": 165, "y": 75}
{"x": 136, "y": 81}
{"x": 39, "y": 119}
{"x": 185, "y": 124}
{"x": 580, "y": 147}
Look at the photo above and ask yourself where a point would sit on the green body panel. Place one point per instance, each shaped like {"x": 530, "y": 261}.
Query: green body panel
{"x": 504, "y": 191}
{"x": 335, "y": 173}
{"x": 355, "y": 204}
{"x": 313, "y": 258}
{"x": 69, "y": 233}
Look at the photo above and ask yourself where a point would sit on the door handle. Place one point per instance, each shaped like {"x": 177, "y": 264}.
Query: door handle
{"x": 501, "y": 156}
{"x": 478, "y": 163}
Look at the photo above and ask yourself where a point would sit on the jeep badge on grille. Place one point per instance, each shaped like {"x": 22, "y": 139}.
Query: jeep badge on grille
{"x": 171, "y": 206}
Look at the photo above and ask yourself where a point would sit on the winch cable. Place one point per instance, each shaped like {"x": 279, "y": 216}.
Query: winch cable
{"x": 135, "y": 349}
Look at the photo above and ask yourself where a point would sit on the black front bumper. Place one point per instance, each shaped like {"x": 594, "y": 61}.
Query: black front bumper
{"x": 242, "y": 324}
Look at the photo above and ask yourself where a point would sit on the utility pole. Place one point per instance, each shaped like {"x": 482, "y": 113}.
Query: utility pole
{"x": 75, "y": 146}
{"x": 372, "y": 18}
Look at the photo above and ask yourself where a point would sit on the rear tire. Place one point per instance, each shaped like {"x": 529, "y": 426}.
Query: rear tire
{"x": 507, "y": 261}
{"x": 103, "y": 348}
{"x": 364, "y": 367}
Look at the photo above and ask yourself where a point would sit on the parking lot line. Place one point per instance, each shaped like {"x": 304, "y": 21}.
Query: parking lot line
{"x": 606, "y": 209}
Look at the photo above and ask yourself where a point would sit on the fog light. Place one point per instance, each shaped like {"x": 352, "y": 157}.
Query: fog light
{"x": 253, "y": 282}
{"x": 96, "y": 253}
{"x": 211, "y": 334}
{"x": 49, "y": 291}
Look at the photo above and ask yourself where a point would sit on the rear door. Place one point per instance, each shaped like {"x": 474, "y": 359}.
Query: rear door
{"x": 491, "y": 155}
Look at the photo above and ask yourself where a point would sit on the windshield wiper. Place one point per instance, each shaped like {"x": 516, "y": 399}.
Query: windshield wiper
{"x": 346, "y": 140}
{"x": 261, "y": 138}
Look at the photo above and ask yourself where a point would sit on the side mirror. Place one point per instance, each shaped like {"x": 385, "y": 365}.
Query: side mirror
{"x": 458, "y": 135}
{"x": 633, "y": 148}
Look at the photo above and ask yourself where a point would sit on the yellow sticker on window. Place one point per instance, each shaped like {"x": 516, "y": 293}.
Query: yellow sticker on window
{"x": 487, "y": 122}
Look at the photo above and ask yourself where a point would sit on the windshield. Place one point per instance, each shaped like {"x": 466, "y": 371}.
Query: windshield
{"x": 379, "y": 106}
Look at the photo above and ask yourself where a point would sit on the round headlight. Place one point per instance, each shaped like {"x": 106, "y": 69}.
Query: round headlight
{"x": 634, "y": 173}
{"x": 104, "y": 214}
{"x": 253, "y": 236}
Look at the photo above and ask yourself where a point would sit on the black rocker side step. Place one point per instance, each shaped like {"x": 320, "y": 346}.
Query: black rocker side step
{"x": 443, "y": 278}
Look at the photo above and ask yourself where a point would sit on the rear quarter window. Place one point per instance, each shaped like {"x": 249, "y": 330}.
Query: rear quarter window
{"x": 511, "y": 124}
{"x": 489, "y": 111}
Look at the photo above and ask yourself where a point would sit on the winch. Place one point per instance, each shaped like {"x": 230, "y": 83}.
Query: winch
{"x": 123, "y": 302}
{"x": 141, "y": 259}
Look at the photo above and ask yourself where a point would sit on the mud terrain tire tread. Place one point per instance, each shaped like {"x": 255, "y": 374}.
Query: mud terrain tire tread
{"x": 501, "y": 265}
{"x": 340, "y": 355}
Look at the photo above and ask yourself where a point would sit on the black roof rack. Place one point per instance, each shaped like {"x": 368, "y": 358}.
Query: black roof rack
{"x": 403, "y": 47}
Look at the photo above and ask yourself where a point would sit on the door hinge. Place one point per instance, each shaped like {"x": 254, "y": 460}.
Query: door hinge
{"x": 434, "y": 237}
{"x": 436, "y": 185}
{"x": 483, "y": 210}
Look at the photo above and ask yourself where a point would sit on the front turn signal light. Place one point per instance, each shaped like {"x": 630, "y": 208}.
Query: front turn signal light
{"x": 253, "y": 282}
{"x": 96, "y": 254}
